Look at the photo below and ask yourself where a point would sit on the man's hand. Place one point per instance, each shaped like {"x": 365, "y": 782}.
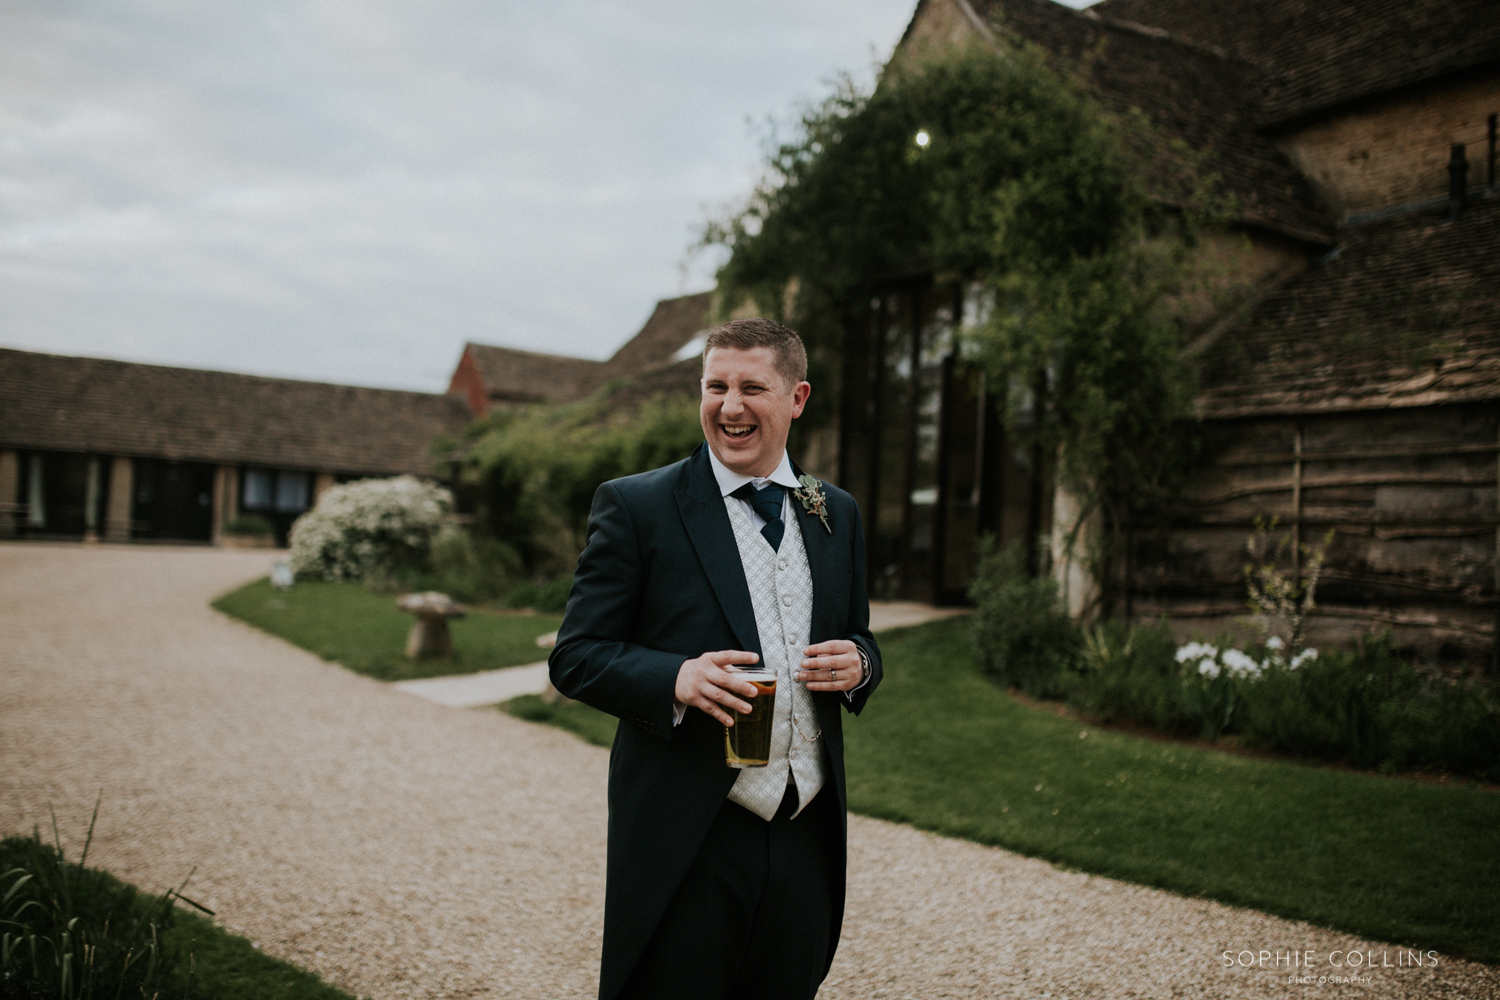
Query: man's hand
{"x": 703, "y": 683}
{"x": 834, "y": 665}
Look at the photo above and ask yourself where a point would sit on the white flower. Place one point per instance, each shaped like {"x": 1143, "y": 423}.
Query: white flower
{"x": 367, "y": 527}
{"x": 1274, "y": 642}
{"x": 1241, "y": 664}
{"x": 1303, "y": 657}
{"x": 1208, "y": 668}
{"x": 1196, "y": 650}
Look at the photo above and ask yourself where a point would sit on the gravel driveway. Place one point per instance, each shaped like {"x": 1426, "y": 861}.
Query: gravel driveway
{"x": 403, "y": 849}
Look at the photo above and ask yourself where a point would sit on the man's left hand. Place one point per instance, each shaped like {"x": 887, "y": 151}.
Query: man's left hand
{"x": 834, "y": 665}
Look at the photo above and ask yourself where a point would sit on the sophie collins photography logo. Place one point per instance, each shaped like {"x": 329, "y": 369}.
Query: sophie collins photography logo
{"x": 1310, "y": 966}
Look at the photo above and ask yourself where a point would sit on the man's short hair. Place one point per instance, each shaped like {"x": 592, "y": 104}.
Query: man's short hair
{"x": 748, "y": 334}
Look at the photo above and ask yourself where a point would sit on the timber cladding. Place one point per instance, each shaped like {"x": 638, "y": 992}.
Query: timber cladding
{"x": 1412, "y": 498}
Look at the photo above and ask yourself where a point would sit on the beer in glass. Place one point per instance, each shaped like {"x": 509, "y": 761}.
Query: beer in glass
{"x": 747, "y": 743}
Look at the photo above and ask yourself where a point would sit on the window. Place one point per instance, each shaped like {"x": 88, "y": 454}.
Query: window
{"x": 291, "y": 492}
{"x": 279, "y": 490}
{"x": 259, "y": 488}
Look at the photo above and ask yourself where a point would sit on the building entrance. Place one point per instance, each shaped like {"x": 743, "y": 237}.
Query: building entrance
{"x": 172, "y": 500}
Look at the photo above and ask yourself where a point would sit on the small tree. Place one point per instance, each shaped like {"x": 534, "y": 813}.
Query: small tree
{"x": 1277, "y": 593}
{"x": 370, "y": 530}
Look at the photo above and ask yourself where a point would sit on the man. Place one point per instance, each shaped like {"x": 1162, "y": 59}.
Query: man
{"x": 722, "y": 882}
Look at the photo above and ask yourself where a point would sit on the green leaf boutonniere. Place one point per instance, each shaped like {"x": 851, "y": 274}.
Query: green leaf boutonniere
{"x": 813, "y": 499}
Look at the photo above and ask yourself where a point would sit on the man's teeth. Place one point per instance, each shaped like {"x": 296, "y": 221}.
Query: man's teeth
{"x": 738, "y": 431}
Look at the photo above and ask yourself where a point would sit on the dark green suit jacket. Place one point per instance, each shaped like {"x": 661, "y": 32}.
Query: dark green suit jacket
{"x": 660, "y": 582}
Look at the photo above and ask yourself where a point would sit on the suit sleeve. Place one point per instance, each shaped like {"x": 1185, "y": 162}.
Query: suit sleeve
{"x": 858, "y": 627}
{"x": 594, "y": 660}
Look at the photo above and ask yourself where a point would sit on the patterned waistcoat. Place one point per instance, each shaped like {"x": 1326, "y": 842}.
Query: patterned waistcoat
{"x": 781, "y": 592}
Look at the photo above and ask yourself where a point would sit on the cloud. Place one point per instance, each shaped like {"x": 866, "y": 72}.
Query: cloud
{"x": 349, "y": 191}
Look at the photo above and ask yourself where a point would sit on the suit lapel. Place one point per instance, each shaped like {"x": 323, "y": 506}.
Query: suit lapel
{"x": 708, "y": 528}
{"x": 821, "y": 562}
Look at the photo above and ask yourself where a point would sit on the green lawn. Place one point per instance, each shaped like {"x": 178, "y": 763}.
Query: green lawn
{"x": 365, "y": 632}
{"x": 574, "y": 716}
{"x": 942, "y": 748}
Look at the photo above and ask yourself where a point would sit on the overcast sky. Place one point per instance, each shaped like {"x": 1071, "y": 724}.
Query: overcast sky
{"x": 348, "y": 191}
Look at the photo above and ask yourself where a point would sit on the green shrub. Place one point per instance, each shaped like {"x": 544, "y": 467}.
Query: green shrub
{"x": 249, "y": 526}
{"x": 468, "y": 565}
{"x": 535, "y": 471}
{"x": 1025, "y": 637}
{"x": 550, "y": 597}
{"x": 1369, "y": 708}
{"x": 74, "y": 933}
{"x": 1128, "y": 672}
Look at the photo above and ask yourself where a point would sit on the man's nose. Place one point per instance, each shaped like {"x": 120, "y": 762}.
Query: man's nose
{"x": 734, "y": 404}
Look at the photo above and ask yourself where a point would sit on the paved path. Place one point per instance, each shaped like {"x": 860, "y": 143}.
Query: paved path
{"x": 404, "y": 849}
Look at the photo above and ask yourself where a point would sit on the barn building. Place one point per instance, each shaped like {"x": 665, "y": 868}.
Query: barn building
{"x": 1351, "y": 382}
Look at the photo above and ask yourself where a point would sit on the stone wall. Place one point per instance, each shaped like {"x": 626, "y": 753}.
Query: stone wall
{"x": 1394, "y": 150}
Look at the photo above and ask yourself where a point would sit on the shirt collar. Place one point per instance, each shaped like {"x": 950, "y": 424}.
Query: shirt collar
{"x": 729, "y": 480}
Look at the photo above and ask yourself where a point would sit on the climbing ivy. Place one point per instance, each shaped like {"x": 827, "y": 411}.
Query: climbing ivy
{"x": 1072, "y": 226}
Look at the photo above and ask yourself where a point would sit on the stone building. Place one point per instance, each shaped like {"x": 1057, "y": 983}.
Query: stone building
{"x": 117, "y": 451}
{"x": 1351, "y": 358}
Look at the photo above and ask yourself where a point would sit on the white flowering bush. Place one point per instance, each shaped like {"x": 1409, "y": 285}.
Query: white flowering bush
{"x": 1211, "y": 662}
{"x": 370, "y": 529}
{"x": 1218, "y": 685}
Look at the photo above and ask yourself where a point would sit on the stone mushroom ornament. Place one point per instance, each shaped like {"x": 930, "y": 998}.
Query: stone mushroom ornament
{"x": 429, "y": 637}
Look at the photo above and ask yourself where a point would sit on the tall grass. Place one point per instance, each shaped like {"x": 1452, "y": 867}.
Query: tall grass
{"x": 75, "y": 933}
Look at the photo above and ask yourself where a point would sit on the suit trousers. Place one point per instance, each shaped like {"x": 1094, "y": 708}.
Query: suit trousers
{"x": 750, "y": 919}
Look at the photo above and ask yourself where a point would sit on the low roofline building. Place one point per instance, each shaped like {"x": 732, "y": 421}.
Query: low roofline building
{"x": 112, "y": 449}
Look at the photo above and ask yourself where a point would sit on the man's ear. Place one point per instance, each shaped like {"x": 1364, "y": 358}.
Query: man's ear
{"x": 799, "y": 398}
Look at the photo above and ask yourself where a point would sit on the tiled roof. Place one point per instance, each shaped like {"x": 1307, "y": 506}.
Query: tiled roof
{"x": 1191, "y": 93}
{"x": 673, "y": 323}
{"x": 52, "y": 402}
{"x": 1406, "y": 314}
{"x": 1321, "y": 53}
{"x": 522, "y": 376}
{"x": 526, "y": 377}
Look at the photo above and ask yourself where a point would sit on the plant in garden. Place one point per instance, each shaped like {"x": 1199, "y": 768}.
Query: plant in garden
{"x": 68, "y": 932}
{"x": 1216, "y": 683}
{"x": 536, "y": 470}
{"x": 249, "y": 526}
{"x": 1024, "y": 635}
{"x": 370, "y": 529}
{"x": 1071, "y": 224}
{"x": 1278, "y": 593}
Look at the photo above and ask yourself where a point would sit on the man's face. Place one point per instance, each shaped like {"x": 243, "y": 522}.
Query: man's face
{"x": 748, "y": 408}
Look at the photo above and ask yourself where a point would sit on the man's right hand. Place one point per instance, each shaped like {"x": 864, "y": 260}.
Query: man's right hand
{"x": 703, "y": 683}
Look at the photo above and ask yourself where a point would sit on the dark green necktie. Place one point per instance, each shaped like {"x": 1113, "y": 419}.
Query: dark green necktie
{"x": 767, "y": 503}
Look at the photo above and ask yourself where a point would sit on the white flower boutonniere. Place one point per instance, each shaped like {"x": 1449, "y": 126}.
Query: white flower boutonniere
{"x": 813, "y": 500}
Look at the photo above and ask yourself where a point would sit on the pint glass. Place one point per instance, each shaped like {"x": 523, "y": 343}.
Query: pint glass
{"x": 747, "y": 743}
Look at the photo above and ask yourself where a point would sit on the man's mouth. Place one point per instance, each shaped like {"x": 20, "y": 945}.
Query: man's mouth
{"x": 737, "y": 432}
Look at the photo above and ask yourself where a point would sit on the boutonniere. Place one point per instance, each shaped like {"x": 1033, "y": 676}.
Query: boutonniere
{"x": 813, "y": 500}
